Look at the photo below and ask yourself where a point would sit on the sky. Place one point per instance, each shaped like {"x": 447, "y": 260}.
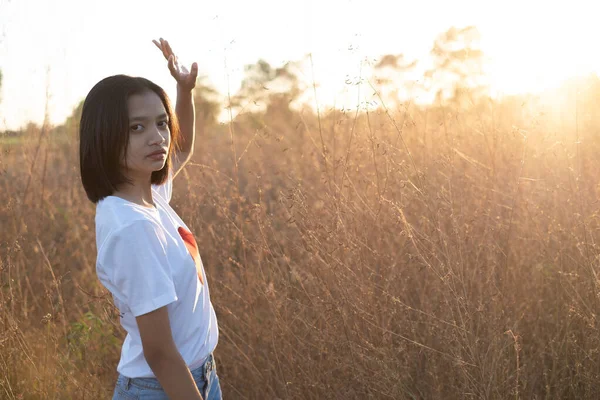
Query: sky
{"x": 53, "y": 52}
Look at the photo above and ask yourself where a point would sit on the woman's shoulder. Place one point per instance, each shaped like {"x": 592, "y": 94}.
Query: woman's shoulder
{"x": 134, "y": 229}
{"x": 114, "y": 215}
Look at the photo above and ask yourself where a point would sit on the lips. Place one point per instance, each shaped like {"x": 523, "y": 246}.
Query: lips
{"x": 161, "y": 151}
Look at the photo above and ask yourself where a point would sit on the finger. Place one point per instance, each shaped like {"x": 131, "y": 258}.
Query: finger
{"x": 194, "y": 71}
{"x": 171, "y": 65}
{"x": 160, "y": 47}
{"x": 163, "y": 44}
{"x": 169, "y": 48}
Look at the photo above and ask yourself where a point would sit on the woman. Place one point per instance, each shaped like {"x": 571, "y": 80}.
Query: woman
{"x": 132, "y": 145}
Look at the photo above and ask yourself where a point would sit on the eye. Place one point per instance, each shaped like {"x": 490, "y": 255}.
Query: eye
{"x": 165, "y": 124}
{"x": 132, "y": 127}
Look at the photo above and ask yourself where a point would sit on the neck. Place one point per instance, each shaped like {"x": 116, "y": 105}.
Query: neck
{"x": 140, "y": 192}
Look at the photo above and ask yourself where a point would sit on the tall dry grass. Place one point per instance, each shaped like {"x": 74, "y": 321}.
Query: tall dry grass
{"x": 433, "y": 253}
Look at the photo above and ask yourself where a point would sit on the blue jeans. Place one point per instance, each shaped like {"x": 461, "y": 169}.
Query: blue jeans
{"x": 205, "y": 377}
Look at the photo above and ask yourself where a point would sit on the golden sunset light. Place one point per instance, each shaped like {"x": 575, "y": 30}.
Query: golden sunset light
{"x": 271, "y": 199}
{"x": 528, "y": 46}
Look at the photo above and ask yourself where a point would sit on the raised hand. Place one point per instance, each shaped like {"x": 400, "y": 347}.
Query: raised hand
{"x": 185, "y": 79}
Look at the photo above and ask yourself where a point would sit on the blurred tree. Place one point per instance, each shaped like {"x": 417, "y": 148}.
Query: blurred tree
{"x": 389, "y": 77}
{"x": 457, "y": 72}
{"x": 264, "y": 85}
{"x": 207, "y": 103}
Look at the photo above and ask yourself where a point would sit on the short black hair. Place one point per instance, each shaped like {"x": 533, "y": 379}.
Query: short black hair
{"x": 104, "y": 134}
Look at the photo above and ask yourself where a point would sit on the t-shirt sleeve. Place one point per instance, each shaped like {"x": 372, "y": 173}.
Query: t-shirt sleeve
{"x": 166, "y": 189}
{"x": 135, "y": 261}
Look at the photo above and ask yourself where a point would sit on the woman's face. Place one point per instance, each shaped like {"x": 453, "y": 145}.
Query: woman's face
{"x": 148, "y": 133}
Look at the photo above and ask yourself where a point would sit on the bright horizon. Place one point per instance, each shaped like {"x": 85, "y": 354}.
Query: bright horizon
{"x": 70, "y": 45}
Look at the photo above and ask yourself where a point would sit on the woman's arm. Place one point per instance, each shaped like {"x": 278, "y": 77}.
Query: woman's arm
{"x": 164, "y": 358}
{"x": 185, "y": 113}
{"x": 186, "y": 81}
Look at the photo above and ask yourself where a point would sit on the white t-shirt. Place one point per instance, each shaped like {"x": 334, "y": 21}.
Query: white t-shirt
{"x": 148, "y": 258}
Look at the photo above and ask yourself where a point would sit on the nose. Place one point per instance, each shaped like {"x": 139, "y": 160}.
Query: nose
{"x": 159, "y": 137}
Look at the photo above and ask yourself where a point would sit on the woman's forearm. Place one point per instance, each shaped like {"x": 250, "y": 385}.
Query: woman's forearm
{"x": 185, "y": 114}
{"x": 174, "y": 376}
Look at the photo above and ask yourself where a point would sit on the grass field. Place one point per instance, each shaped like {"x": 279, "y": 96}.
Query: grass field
{"x": 414, "y": 253}
{"x": 10, "y": 141}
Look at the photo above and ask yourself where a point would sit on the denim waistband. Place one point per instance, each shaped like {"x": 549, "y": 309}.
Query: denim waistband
{"x": 205, "y": 362}
{"x": 199, "y": 372}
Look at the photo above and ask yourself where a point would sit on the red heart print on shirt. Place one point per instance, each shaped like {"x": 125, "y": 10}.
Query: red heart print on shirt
{"x": 190, "y": 243}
